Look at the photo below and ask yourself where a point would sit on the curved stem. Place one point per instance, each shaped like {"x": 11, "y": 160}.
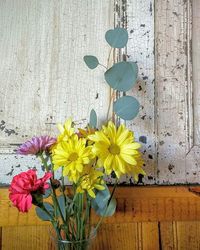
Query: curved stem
{"x": 111, "y": 95}
{"x": 103, "y": 66}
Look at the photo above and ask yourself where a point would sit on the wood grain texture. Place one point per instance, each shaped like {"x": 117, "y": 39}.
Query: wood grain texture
{"x": 180, "y": 235}
{"x": 136, "y": 204}
{"x": 127, "y": 236}
{"x": 123, "y": 236}
{"x": 26, "y": 237}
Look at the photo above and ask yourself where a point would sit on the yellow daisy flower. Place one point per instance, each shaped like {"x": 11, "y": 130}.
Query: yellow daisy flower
{"x": 115, "y": 148}
{"x": 135, "y": 170}
{"x": 66, "y": 131}
{"x": 72, "y": 155}
{"x": 91, "y": 179}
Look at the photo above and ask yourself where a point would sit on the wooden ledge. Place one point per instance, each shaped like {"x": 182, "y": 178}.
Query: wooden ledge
{"x": 134, "y": 204}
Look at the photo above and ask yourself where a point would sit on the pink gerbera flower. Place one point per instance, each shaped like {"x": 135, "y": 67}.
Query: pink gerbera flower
{"x": 22, "y": 187}
{"x": 36, "y": 145}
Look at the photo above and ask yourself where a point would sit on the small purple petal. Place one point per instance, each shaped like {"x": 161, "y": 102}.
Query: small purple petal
{"x": 36, "y": 145}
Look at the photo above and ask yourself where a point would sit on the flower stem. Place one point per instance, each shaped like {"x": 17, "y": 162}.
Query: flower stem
{"x": 53, "y": 190}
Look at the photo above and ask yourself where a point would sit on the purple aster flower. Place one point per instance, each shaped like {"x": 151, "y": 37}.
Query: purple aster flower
{"x": 36, "y": 145}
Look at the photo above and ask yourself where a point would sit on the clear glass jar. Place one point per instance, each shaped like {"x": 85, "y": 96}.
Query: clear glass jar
{"x": 62, "y": 244}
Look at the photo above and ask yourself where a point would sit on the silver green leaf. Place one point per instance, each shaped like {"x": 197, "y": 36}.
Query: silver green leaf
{"x": 122, "y": 76}
{"x": 93, "y": 119}
{"x": 101, "y": 199}
{"x": 117, "y": 38}
{"x": 126, "y": 107}
{"x": 61, "y": 202}
{"x": 105, "y": 210}
{"x": 91, "y": 61}
{"x": 42, "y": 214}
{"x": 110, "y": 210}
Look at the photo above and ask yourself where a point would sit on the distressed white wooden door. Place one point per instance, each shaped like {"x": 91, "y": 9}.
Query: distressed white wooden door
{"x": 44, "y": 80}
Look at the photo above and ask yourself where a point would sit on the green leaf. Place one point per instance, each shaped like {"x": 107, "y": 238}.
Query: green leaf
{"x": 99, "y": 203}
{"x": 126, "y": 107}
{"x": 91, "y": 61}
{"x": 117, "y": 38}
{"x": 47, "y": 193}
{"x": 104, "y": 210}
{"x": 42, "y": 214}
{"x": 111, "y": 208}
{"x": 102, "y": 197}
{"x": 93, "y": 119}
{"x": 122, "y": 76}
{"x": 61, "y": 202}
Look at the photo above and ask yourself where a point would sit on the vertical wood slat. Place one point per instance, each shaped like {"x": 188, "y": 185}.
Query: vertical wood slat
{"x": 0, "y": 237}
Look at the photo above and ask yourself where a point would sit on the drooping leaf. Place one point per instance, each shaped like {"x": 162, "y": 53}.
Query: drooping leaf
{"x": 126, "y": 107}
{"x": 105, "y": 210}
{"x": 42, "y": 214}
{"x": 61, "y": 202}
{"x": 122, "y": 76}
{"x": 91, "y": 61}
{"x": 102, "y": 197}
{"x": 47, "y": 193}
{"x": 117, "y": 38}
{"x": 111, "y": 208}
{"x": 93, "y": 119}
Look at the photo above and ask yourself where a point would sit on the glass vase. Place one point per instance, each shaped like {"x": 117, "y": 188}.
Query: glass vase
{"x": 63, "y": 244}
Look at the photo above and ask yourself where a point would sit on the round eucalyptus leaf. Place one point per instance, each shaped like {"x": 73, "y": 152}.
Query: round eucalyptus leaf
{"x": 42, "y": 214}
{"x": 91, "y": 61}
{"x": 101, "y": 199}
{"x": 117, "y": 38}
{"x": 93, "y": 119}
{"x": 122, "y": 76}
{"x": 105, "y": 210}
{"x": 111, "y": 207}
{"x": 126, "y": 107}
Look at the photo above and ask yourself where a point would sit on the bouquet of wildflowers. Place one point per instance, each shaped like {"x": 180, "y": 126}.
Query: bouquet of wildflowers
{"x": 85, "y": 157}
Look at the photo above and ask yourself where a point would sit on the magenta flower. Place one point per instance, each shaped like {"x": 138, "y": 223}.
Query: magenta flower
{"x": 24, "y": 185}
{"x": 36, "y": 145}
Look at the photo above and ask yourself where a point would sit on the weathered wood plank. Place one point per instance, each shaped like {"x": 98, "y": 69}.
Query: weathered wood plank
{"x": 168, "y": 238}
{"x": 134, "y": 204}
{"x": 172, "y": 55}
{"x": 140, "y": 49}
{"x": 196, "y": 68}
{"x": 188, "y": 235}
{"x": 26, "y": 237}
{"x": 43, "y": 79}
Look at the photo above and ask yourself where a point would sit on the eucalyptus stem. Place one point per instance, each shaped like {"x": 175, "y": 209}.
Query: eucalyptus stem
{"x": 111, "y": 95}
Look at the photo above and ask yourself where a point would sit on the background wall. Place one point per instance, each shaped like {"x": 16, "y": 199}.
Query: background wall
{"x": 44, "y": 80}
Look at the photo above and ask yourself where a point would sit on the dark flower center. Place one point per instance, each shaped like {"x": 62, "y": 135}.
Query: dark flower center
{"x": 73, "y": 156}
{"x": 114, "y": 149}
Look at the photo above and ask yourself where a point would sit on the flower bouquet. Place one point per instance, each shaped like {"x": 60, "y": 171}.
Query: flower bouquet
{"x": 85, "y": 157}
